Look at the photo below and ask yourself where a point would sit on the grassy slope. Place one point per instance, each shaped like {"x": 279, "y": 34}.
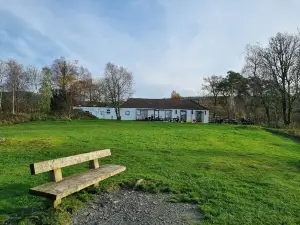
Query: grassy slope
{"x": 238, "y": 175}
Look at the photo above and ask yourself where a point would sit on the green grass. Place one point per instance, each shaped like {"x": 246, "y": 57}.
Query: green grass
{"x": 237, "y": 174}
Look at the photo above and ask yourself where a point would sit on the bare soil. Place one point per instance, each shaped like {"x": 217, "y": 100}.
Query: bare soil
{"x": 134, "y": 207}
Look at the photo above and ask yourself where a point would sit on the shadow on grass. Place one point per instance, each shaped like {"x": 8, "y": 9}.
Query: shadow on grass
{"x": 282, "y": 134}
{"x": 7, "y": 192}
{"x": 295, "y": 164}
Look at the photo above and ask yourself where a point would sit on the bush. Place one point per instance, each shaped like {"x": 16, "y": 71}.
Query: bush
{"x": 9, "y": 118}
{"x": 78, "y": 114}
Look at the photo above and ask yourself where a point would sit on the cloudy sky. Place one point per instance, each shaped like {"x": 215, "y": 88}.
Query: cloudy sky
{"x": 167, "y": 44}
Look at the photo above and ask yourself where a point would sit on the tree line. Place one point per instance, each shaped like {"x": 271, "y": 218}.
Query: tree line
{"x": 268, "y": 87}
{"x": 60, "y": 86}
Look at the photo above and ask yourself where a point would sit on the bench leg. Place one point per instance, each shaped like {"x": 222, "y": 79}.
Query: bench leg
{"x": 94, "y": 164}
{"x": 56, "y": 202}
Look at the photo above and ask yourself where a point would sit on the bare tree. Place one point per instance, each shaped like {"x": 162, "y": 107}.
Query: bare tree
{"x": 14, "y": 83}
{"x": 64, "y": 73}
{"x": 281, "y": 60}
{"x": 35, "y": 78}
{"x": 118, "y": 85}
{"x": 260, "y": 79}
{"x": 98, "y": 90}
{"x": 212, "y": 86}
{"x": 84, "y": 84}
{"x": 3, "y": 70}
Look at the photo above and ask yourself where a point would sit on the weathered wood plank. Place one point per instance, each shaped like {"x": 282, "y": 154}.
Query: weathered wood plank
{"x": 56, "y": 175}
{"x": 49, "y": 165}
{"x": 77, "y": 182}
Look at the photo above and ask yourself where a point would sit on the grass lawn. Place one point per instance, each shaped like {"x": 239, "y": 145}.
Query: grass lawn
{"x": 237, "y": 174}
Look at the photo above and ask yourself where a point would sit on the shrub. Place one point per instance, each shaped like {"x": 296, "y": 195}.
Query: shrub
{"x": 78, "y": 114}
{"x": 9, "y": 118}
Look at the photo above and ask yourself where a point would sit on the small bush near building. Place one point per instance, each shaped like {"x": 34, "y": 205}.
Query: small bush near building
{"x": 9, "y": 118}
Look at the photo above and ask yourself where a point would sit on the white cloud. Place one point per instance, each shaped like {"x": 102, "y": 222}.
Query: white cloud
{"x": 187, "y": 40}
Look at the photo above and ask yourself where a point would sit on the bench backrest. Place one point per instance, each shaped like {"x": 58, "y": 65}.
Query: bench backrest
{"x": 54, "y": 164}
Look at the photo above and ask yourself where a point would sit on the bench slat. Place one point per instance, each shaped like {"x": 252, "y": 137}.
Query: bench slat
{"x": 49, "y": 165}
{"x": 77, "y": 182}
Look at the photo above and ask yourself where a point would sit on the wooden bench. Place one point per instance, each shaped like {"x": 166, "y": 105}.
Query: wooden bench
{"x": 60, "y": 187}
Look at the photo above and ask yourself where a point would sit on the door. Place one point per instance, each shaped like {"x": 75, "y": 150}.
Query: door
{"x": 156, "y": 114}
{"x": 183, "y": 115}
{"x": 168, "y": 115}
{"x": 199, "y": 116}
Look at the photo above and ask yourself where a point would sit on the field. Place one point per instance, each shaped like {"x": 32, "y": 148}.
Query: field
{"x": 237, "y": 174}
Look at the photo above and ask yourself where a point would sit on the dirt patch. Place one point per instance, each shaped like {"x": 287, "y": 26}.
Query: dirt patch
{"x": 134, "y": 207}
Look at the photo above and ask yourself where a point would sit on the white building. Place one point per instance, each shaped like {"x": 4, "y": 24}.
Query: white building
{"x": 154, "y": 109}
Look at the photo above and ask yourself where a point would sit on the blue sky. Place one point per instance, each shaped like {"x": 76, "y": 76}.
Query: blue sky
{"x": 167, "y": 44}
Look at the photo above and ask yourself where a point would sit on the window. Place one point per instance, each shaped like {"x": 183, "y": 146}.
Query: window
{"x": 127, "y": 113}
{"x": 108, "y": 111}
{"x": 192, "y": 111}
{"x": 176, "y": 111}
{"x": 204, "y": 112}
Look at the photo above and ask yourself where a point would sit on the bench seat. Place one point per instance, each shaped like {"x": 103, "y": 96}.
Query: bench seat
{"x": 77, "y": 182}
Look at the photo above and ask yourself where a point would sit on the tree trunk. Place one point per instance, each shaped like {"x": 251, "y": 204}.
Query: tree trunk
{"x": 13, "y": 101}
{"x": 289, "y": 102}
{"x": 283, "y": 103}
{"x": 117, "y": 109}
{"x": 90, "y": 93}
{"x": 215, "y": 106}
{"x": 268, "y": 115}
{"x": 1, "y": 101}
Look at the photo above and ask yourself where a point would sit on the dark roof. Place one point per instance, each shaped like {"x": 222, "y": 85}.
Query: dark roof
{"x": 161, "y": 104}
{"x": 93, "y": 104}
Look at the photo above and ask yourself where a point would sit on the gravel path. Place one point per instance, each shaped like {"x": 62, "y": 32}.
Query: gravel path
{"x": 133, "y": 207}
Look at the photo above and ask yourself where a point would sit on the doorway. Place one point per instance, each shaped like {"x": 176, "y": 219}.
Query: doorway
{"x": 199, "y": 116}
{"x": 183, "y": 115}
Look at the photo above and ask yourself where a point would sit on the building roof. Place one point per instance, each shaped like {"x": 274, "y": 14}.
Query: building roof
{"x": 93, "y": 104}
{"x": 161, "y": 104}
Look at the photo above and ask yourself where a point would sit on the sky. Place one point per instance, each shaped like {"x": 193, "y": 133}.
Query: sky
{"x": 166, "y": 44}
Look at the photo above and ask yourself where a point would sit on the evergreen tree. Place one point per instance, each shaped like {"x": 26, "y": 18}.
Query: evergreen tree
{"x": 46, "y": 90}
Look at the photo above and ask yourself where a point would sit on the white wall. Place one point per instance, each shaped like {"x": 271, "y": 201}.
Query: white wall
{"x": 100, "y": 112}
{"x": 130, "y": 111}
{"x": 206, "y": 117}
{"x": 192, "y": 116}
{"x": 109, "y": 113}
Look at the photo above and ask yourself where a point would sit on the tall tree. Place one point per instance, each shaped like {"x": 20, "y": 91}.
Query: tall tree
{"x": 118, "y": 83}
{"x": 46, "y": 90}
{"x": 3, "y": 68}
{"x": 64, "y": 73}
{"x": 98, "y": 90}
{"x": 175, "y": 95}
{"x": 261, "y": 82}
{"x": 84, "y": 83}
{"x": 234, "y": 84}
{"x": 281, "y": 60}
{"x": 14, "y": 75}
{"x": 212, "y": 86}
{"x": 33, "y": 75}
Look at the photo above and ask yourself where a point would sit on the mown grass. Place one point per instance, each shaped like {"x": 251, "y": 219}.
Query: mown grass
{"x": 237, "y": 174}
